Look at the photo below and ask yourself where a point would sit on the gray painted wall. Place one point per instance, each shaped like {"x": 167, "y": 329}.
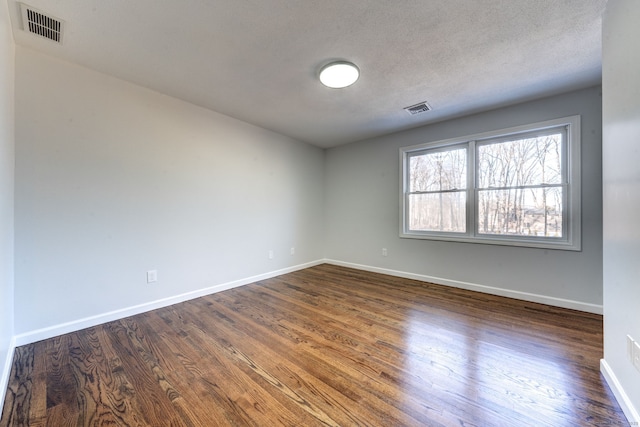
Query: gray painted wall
{"x": 113, "y": 180}
{"x": 6, "y": 192}
{"x": 362, "y": 210}
{"x": 621, "y": 170}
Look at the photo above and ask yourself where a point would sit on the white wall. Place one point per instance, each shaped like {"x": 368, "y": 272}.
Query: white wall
{"x": 621, "y": 170}
{"x": 113, "y": 180}
{"x": 362, "y": 212}
{"x": 6, "y": 193}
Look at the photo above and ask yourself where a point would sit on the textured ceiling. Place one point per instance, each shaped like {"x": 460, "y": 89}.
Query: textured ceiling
{"x": 258, "y": 60}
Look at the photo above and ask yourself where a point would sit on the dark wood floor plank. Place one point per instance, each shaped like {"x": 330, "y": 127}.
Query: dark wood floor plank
{"x": 63, "y": 415}
{"x": 147, "y": 383}
{"x": 61, "y": 387}
{"x": 338, "y": 340}
{"x": 217, "y": 379}
{"x": 248, "y": 374}
{"x": 378, "y": 377}
{"x": 314, "y": 356}
{"x": 365, "y": 389}
{"x": 38, "y": 400}
{"x": 117, "y": 391}
{"x": 185, "y": 367}
{"x": 101, "y": 388}
{"x": 265, "y": 362}
{"x": 20, "y": 389}
{"x": 323, "y": 346}
{"x": 375, "y": 377}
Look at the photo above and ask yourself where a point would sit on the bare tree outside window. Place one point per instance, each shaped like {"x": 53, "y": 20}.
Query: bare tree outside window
{"x": 438, "y": 186}
{"x": 518, "y": 186}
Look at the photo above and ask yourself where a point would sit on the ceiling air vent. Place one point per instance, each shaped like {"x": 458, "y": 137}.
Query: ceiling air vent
{"x": 36, "y": 22}
{"x": 418, "y": 108}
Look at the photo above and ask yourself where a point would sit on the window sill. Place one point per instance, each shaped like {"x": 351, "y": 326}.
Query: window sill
{"x": 564, "y": 245}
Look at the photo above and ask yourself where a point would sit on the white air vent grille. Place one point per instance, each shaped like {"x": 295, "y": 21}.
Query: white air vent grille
{"x": 36, "y": 22}
{"x": 418, "y": 108}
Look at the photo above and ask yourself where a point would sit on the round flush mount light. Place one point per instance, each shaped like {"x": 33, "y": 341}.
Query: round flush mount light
{"x": 339, "y": 74}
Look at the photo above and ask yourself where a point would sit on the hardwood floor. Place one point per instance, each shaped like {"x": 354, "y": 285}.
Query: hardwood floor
{"x": 324, "y": 346}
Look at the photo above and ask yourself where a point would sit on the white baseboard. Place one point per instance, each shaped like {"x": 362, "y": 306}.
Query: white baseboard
{"x": 52, "y": 331}
{"x": 632, "y": 414}
{"x": 543, "y": 299}
{"x": 6, "y": 371}
{"x": 76, "y": 325}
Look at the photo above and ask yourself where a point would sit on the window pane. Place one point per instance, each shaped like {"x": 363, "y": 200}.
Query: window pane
{"x": 438, "y": 212}
{"x": 529, "y": 161}
{"x": 521, "y": 212}
{"x": 437, "y": 171}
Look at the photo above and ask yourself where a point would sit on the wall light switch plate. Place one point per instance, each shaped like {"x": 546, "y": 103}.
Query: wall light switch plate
{"x": 636, "y": 355}
{"x": 630, "y": 342}
{"x": 152, "y": 276}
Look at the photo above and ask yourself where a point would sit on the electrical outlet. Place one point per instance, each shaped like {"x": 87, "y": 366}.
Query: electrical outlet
{"x": 293, "y": 251}
{"x": 152, "y": 276}
{"x": 271, "y": 254}
{"x": 636, "y": 355}
{"x": 384, "y": 251}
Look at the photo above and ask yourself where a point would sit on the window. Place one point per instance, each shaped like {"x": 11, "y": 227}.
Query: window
{"x": 517, "y": 186}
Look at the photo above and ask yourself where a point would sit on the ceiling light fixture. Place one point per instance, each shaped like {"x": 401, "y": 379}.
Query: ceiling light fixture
{"x": 339, "y": 74}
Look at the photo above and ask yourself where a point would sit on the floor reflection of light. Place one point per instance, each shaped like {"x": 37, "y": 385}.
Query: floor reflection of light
{"x": 477, "y": 369}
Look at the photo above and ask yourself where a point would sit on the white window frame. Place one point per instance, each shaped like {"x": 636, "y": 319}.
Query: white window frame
{"x": 571, "y": 239}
